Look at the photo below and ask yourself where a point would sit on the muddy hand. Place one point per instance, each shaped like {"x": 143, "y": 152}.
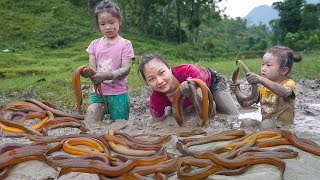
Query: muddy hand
{"x": 184, "y": 88}
{"x": 252, "y": 78}
{"x": 86, "y": 72}
{"x": 99, "y": 77}
{"x": 234, "y": 86}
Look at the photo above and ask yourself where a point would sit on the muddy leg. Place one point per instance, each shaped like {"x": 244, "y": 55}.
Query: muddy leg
{"x": 95, "y": 112}
{"x": 224, "y": 102}
{"x": 250, "y": 125}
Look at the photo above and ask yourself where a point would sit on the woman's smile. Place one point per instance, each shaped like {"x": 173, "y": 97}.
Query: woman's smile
{"x": 162, "y": 86}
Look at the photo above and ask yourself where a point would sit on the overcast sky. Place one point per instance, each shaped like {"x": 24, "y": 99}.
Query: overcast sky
{"x": 240, "y": 8}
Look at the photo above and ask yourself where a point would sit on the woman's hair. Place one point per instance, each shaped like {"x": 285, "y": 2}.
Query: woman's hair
{"x": 148, "y": 57}
{"x": 285, "y": 56}
{"x": 109, "y": 7}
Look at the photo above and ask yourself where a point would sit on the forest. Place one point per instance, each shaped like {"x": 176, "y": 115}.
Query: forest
{"x": 197, "y": 25}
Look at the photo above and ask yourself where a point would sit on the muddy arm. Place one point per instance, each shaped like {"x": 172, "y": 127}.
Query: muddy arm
{"x": 242, "y": 101}
{"x": 124, "y": 70}
{"x": 275, "y": 87}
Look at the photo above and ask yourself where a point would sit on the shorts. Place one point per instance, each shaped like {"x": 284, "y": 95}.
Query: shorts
{"x": 218, "y": 83}
{"x": 118, "y": 105}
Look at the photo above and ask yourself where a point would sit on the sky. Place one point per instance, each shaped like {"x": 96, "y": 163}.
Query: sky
{"x": 240, "y": 8}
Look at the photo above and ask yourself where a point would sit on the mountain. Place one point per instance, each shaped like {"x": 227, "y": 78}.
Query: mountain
{"x": 264, "y": 13}
{"x": 261, "y": 14}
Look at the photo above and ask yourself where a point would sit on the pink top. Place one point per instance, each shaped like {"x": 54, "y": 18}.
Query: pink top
{"x": 109, "y": 57}
{"x": 158, "y": 100}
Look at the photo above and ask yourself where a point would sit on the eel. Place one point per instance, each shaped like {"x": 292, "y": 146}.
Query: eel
{"x": 78, "y": 91}
{"x": 297, "y": 142}
{"x": 254, "y": 87}
{"x": 208, "y": 106}
{"x": 193, "y": 132}
{"x": 243, "y": 161}
{"x": 127, "y": 151}
{"x": 55, "y": 111}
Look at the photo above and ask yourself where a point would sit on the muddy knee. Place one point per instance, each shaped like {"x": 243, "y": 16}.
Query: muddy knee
{"x": 95, "y": 112}
{"x": 250, "y": 124}
{"x": 268, "y": 125}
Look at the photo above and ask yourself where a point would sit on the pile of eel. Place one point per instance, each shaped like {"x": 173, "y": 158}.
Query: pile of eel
{"x": 244, "y": 150}
{"x": 111, "y": 155}
{"x": 14, "y": 118}
{"x": 118, "y": 155}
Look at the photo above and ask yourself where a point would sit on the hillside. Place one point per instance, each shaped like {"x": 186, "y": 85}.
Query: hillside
{"x": 42, "y": 24}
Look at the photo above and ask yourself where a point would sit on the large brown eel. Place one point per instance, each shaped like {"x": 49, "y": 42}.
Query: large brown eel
{"x": 309, "y": 147}
{"x": 55, "y": 111}
{"x": 243, "y": 161}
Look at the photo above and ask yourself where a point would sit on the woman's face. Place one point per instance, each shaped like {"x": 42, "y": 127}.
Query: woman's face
{"x": 158, "y": 76}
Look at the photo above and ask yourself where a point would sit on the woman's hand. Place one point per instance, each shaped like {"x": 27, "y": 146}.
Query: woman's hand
{"x": 184, "y": 89}
{"x": 86, "y": 72}
{"x": 253, "y": 78}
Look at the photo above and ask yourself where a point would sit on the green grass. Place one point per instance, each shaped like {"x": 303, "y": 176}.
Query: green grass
{"x": 46, "y": 75}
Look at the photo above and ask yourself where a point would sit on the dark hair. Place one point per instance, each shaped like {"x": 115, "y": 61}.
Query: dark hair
{"x": 285, "y": 56}
{"x": 147, "y": 58}
{"x": 109, "y": 7}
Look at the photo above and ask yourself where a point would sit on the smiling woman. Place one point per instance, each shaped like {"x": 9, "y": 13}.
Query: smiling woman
{"x": 164, "y": 80}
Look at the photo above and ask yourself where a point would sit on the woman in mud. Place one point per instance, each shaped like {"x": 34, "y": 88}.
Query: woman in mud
{"x": 164, "y": 80}
{"x": 276, "y": 92}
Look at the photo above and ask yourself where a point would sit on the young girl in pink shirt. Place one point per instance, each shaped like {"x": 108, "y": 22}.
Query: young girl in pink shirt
{"x": 110, "y": 56}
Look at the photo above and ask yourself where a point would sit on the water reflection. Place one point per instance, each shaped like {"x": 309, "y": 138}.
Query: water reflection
{"x": 251, "y": 115}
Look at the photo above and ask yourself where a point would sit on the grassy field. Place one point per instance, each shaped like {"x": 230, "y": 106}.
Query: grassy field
{"x": 46, "y": 74}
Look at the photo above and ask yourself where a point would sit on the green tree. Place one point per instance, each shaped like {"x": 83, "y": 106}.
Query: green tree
{"x": 290, "y": 16}
{"x": 310, "y": 17}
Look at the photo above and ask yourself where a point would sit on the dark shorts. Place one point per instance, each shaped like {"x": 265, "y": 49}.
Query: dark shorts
{"x": 215, "y": 79}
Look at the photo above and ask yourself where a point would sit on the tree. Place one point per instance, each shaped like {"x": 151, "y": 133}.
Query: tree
{"x": 290, "y": 16}
{"x": 310, "y": 17}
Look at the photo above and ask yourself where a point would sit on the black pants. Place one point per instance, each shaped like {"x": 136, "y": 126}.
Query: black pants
{"x": 215, "y": 79}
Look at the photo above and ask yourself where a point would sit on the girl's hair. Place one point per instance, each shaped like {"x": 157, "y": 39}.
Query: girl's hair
{"x": 109, "y": 7}
{"x": 147, "y": 58}
{"x": 285, "y": 56}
